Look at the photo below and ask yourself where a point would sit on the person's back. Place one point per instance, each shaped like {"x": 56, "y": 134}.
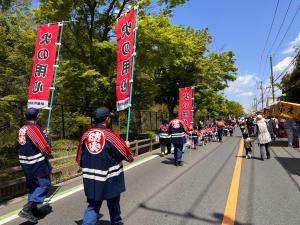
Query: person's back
{"x": 177, "y": 131}
{"x": 100, "y": 155}
{"x": 164, "y": 138}
{"x": 33, "y": 150}
{"x": 102, "y": 150}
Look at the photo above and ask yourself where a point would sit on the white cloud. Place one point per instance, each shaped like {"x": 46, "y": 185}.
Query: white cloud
{"x": 247, "y": 94}
{"x": 243, "y": 85}
{"x": 292, "y": 45}
{"x": 283, "y": 65}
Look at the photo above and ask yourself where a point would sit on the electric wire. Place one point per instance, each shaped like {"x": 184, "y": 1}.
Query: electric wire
{"x": 269, "y": 33}
{"x": 281, "y": 25}
{"x": 288, "y": 29}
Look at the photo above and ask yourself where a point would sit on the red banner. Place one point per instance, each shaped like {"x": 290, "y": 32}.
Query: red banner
{"x": 186, "y": 106}
{"x": 43, "y": 66}
{"x": 125, "y": 29}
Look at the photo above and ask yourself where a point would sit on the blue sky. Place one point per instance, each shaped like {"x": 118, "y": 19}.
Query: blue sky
{"x": 242, "y": 26}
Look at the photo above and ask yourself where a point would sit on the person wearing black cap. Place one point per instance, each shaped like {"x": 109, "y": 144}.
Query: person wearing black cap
{"x": 33, "y": 149}
{"x": 177, "y": 131}
{"x": 100, "y": 155}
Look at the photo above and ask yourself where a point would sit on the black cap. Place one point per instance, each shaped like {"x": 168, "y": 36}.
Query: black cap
{"x": 31, "y": 113}
{"x": 102, "y": 113}
{"x": 175, "y": 114}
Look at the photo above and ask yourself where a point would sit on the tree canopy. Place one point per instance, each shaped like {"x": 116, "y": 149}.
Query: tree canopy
{"x": 168, "y": 57}
{"x": 290, "y": 83}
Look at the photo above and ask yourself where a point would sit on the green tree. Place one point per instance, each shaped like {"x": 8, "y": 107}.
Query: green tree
{"x": 87, "y": 77}
{"x": 174, "y": 57}
{"x": 16, "y": 53}
{"x": 290, "y": 84}
{"x": 235, "y": 109}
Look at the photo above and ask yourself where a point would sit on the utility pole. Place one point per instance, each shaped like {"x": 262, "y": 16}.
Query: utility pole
{"x": 262, "y": 95}
{"x": 272, "y": 79}
{"x": 255, "y": 103}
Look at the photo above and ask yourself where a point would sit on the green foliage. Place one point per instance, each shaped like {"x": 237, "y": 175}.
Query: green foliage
{"x": 235, "y": 109}
{"x": 290, "y": 84}
{"x": 168, "y": 57}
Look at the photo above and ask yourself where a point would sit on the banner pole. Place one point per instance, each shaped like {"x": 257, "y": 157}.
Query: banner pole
{"x": 192, "y": 123}
{"x": 132, "y": 73}
{"x": 61, "y": 24}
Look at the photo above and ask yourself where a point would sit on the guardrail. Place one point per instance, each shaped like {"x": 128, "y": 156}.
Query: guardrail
{"x": 13, "y": 188}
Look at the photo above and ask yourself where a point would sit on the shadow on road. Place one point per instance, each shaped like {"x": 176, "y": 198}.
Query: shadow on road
{"x": 291, "y": 165}
{"x": 168, "y": 161}
{"x": 44, "y": 210}
{"x": 99, "y": 222}
{"x": 217, "y": 217}
{"x": 253, "y": 157}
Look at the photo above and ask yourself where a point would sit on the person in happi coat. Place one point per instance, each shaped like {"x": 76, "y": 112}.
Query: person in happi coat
{"x": 100, "y": 155}
{"x": 220, "y": 128}
{"x": 164, "y": 138}
{"x": 34, "y": 149}
{"x": 178, "y": 132}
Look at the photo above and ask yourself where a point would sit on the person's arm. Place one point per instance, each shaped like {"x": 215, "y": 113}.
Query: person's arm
{"x": 79, "y": 148}
{"x": 185, "y": 128}
{"x": 121, "y": 150}
{"x": 38, "y": 139}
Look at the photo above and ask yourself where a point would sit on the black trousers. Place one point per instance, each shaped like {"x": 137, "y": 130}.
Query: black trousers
{"x": 248, "y": 150}
{"x": 266, "y": 147}
{"x": 165, "y": 143}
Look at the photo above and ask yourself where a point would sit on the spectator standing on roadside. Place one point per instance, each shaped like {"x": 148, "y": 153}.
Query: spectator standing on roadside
{"x": 275, "y": 119}
{"x": 290, "y": 126}
{"x": 271, "y": 127}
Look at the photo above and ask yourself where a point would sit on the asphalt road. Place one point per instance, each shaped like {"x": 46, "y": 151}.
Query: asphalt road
{"x": 158, "y": 193}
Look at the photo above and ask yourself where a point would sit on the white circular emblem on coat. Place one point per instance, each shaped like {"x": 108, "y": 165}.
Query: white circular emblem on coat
{"x": 95, "y": 142}
{"x": 176, "y": 123}
{"x": 22, "y": 135}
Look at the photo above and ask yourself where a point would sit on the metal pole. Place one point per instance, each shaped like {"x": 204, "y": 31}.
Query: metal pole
{"x": 132, "y": 73}
{"x": 193, "y": 100}
{"x": 55, "y": 73}
{"x": 272, "y": 79}
{"x": 262, "y": 95}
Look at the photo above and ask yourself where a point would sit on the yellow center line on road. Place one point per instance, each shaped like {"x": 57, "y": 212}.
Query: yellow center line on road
{"x": 230, "y": 209}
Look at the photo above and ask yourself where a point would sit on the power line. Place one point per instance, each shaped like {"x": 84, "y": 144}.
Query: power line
{"x": 269, "y": 33}
{"x": 289, "y": 27}
{"x": 281, "y": 25}
{"x": 286, "y": 69}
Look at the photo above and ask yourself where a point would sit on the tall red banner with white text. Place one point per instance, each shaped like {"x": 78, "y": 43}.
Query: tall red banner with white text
{"x": 186, "y": 106}
{"x": 43, "y": 66}
{"x": 125, "y": 29}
